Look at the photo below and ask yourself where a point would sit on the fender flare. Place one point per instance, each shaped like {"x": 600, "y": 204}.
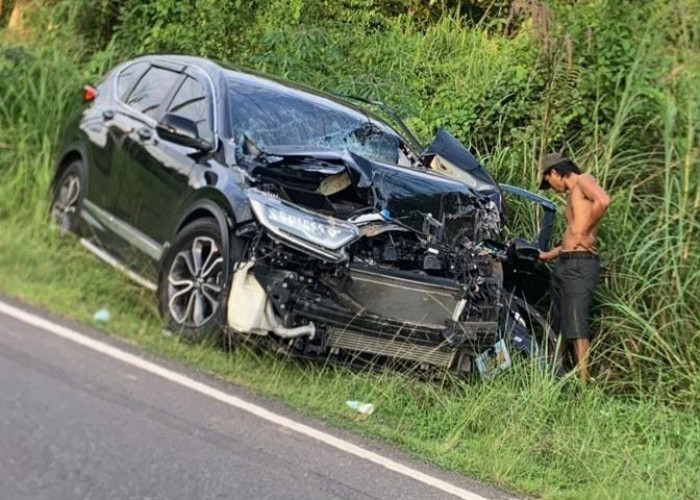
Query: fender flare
{"x": 222, "y": 218}
{"x": 72, "y": 150}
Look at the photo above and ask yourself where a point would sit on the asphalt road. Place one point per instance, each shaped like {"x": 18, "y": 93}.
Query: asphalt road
{"x": 76, "y": 423}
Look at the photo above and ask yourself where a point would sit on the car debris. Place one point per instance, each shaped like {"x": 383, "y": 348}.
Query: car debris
{"x": 102, "y": 315}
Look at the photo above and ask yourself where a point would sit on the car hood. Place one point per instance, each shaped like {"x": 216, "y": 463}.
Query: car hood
{"x": 450, "y": 182}
{"x": 449, "y": 157}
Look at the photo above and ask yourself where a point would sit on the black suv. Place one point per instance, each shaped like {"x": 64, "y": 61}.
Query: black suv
{"x": 297, "y": 217}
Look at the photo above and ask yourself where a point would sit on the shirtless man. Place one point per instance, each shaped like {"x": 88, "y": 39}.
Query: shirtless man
{"x": 576, "y": 274}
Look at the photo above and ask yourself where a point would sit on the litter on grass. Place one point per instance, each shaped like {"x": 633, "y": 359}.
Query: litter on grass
{"x": 364, "y": 408}
{"x": 103, "y": 316}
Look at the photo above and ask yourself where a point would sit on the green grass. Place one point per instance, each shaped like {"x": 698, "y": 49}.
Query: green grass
{"x": 522, "y": 431}
{"x": 635, "y": 434}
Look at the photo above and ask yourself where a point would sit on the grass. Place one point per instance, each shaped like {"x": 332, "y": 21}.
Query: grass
{"x": 522, "y": 431}
{"x": 633, "y": 435}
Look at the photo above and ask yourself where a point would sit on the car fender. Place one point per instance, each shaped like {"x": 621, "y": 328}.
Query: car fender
{"x": 209, "y": 208}
{"x": 67, "y": 153}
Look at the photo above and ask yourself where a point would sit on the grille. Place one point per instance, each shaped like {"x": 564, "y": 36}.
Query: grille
{"x": 353, "y": 341}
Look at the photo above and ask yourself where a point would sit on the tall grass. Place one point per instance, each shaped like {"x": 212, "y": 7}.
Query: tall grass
{"x": 649, "y": 321}
{"x": 646, "y": 313}
{"x": 633, "y": 435}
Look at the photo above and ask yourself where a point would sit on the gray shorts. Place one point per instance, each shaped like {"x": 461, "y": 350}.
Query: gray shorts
{"x": 573, "y": 281}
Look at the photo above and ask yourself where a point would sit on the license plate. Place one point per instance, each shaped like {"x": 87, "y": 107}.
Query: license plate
{"x": 493, "y": 360}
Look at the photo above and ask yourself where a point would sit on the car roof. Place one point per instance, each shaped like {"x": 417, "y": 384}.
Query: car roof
{"x": 263, "y": 80}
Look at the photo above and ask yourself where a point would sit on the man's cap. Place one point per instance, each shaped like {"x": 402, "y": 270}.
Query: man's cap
{"x": 551, "y": 160}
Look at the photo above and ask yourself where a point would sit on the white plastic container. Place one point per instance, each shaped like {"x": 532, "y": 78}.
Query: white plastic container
{"x": 364, "y": 408}
{"x": 246, "y": 303}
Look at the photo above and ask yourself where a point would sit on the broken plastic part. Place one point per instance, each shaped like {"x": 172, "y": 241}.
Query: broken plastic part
{"x": 456, "y": 161}
{"x": 247, "y": 301}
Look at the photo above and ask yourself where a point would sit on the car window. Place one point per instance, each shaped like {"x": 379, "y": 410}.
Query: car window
{"x": 128, "y": 77}
{"x": 151, "y": 90}
{"x": 276, "y": 117}
{"x": 191, "y": 102}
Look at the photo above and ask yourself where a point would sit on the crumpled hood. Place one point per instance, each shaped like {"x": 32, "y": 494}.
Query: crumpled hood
{"x": 449, "y": 157}
{"x": 453, "y": 177}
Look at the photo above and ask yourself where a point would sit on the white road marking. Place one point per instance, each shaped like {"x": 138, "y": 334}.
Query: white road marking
{"x": 258, "y": 411}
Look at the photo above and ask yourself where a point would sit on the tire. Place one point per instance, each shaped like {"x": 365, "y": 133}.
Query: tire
{"x": 67, "y": 198}
{"x": 194, "y": 285}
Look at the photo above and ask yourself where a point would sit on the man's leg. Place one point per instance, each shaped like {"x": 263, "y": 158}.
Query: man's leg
{"x": 590, "y": 269}
{"x": 555, "y": 317}
{"x": 582, "y": 348}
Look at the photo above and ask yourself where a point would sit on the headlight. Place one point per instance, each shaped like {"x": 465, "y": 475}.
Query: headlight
{"x": 301, "y": 226}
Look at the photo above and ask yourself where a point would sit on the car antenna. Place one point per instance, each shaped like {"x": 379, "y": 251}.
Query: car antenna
{"x": 394, "y": 114}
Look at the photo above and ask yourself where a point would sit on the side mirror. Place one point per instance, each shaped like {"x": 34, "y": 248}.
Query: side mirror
{"x": 181, "y": 130}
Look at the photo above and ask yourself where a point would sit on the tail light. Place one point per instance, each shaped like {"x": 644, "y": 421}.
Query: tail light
{"x": 89, "y": 93}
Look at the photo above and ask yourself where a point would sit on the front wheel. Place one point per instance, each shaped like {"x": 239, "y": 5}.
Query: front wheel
{"x": 194, "y": 285}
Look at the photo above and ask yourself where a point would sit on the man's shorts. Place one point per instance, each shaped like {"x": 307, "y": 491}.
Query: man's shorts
{"x": 573, "y": 281}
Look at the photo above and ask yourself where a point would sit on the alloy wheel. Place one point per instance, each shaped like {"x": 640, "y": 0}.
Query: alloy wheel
{"x": 195, "y": 282}
{"x": 65, "y": 205}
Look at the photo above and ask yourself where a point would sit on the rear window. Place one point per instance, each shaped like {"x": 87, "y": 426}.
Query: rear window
{"x": 127, "y": 78}
{"x": 275, "y": 117}
{"x": 151, "y": 90}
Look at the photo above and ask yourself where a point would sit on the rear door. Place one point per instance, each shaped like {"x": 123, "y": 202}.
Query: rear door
{"x": 107, "y": 130}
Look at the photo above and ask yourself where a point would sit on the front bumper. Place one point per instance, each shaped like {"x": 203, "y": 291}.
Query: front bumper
{"x": 379, "y": 312}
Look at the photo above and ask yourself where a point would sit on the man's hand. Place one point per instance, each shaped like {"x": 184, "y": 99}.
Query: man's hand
{"x": 551, "y": 255}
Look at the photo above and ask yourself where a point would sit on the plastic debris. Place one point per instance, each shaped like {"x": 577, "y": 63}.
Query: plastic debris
{"x": 364, "y": 408}
{"x": 102, "y": 316}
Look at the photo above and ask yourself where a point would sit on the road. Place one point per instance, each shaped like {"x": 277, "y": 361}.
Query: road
{"x": 83, "y": 415}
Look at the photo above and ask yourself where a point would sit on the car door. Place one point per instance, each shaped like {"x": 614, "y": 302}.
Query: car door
{"x": 107, "y": 128}
{"x": 524, "y": 274}
{"x": 141, "y": 91}
{"x": 159, "y": 170}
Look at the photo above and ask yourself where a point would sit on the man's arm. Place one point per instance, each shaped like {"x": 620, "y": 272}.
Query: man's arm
{"x": 551, "y": 254}
{"x": 598, "y": 197}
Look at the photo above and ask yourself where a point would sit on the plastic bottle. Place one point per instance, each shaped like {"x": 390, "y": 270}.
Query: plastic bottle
{"x": 364, "y": 408}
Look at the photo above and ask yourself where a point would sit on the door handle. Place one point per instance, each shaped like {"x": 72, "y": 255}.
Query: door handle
{"x": 145, "y": 133}
{"x": 108, "y": 114}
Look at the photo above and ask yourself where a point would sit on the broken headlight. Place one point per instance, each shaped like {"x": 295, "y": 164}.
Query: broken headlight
{"x": 301, "y": 227}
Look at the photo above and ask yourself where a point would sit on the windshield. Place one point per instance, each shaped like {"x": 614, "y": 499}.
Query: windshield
{"x": 275, "y": 115}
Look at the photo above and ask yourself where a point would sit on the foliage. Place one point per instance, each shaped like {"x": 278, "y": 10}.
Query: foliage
{"x": 616, "y": 82}
{"x": 612, "y": 81}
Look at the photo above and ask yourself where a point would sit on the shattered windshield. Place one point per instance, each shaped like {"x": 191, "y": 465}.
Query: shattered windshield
{"x": 280, "y": 116}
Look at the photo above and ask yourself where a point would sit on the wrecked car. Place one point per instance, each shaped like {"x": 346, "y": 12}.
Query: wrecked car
{"x": 299, "y": 218}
